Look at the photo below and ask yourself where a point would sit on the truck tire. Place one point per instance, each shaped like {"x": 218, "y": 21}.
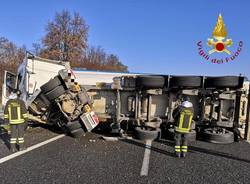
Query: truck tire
{"x": 52, "y": 84}
{"x": 55, "y": 93}
{"x": 150, "y": 82}
{"x": 212, "y": 136}
{"x": 185, "y": 81}
{"x": 147, "y": 133}
{"x": 224, "y": 82}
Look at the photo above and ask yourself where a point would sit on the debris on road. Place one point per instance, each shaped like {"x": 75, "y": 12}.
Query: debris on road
{"x": 109, "y": 138}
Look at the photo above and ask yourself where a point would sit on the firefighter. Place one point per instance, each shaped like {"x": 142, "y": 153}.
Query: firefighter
{"x": 16, "y": 113}
{"x": 183, "y": 115}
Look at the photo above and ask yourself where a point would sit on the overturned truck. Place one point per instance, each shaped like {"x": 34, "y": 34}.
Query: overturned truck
{"x": 146, "y": 103}
{"x": 126, "y": 102}
{"x": 52, "y": 95}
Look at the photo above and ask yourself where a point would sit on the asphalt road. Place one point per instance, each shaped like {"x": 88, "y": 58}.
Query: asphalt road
{"x": 91, "y": 159}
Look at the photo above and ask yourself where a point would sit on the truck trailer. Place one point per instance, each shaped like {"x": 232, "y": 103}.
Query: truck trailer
{"x": 221, "y": 106}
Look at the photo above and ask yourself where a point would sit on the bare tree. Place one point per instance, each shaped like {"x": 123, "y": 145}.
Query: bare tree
{"x": 66, "y": 37}
{"x": 66, "y": 40}
{"x": 97, "y": 59}
{"x": 10, "y": 54}
{"x": 114, "y": 64}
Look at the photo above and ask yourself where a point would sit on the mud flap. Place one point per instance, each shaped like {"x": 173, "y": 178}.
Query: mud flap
{"x": 90, "y": 120}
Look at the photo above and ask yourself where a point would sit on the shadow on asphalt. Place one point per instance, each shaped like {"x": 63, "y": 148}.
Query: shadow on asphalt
{"x": 206, "y": 151}
{"x": 5, "y": 138}
{"x": 4, "y": 135}
{"x": 51, "y": 128}
{"x": 129, "y": 141}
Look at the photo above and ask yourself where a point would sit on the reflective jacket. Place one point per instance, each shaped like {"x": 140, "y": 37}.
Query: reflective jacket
{"x": 183, "y": 118}
{"x": 15, "y": 111}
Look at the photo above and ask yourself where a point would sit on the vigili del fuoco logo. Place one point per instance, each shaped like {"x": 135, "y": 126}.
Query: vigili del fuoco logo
{"x": 219, "y": 43}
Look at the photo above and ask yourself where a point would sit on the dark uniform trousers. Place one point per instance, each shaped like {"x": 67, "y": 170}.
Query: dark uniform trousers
{"x": 17, "y": 134}
{"x": 181, "y": 142}
{"x": 15, "y": 112}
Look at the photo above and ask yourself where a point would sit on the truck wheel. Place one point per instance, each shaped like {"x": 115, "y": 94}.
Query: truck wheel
{"x": 147, "y": 133}
{"x": 224, "y": 82}
{"x": 53, "y": 83}
{"x": 150, "y": 82}
{"x": 216, "y": 135}
{"x": 176, "y": 82}
{"x": 53, "y": 94}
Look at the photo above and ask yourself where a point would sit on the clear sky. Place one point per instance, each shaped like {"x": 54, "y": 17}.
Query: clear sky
{"x": 149, "y": 36}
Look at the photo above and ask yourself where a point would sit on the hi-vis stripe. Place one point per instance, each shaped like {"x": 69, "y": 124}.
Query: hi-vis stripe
{"x": 177, "y": 148}
{"x": 13, "y": 140}
{"x": 18, "y": 112}
{"x": 9, "y": 109}
{"x": 184, "y": 148}
{"x": 25, "y": 115}
{"x": 17, "y": 121}
{"x": 21, "y": 140}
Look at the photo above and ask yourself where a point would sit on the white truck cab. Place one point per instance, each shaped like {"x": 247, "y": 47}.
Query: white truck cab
{"x": 45, "y": 86}
{"x": 32, "y": 73}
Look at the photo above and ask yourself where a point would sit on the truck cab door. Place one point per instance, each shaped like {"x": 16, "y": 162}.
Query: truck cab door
{"x": 9, "y": 84}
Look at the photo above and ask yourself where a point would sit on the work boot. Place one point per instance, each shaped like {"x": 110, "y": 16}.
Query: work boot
{"x": 178, "y": 155}
{"x": 183, "y": 154}
{"x": 13, "y": 148}
{"x": 22, "y": 147}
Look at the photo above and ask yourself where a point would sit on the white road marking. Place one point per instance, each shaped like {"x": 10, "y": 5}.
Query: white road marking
{"x": 14, "y": 155}
{"x": 145, "y": 163}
